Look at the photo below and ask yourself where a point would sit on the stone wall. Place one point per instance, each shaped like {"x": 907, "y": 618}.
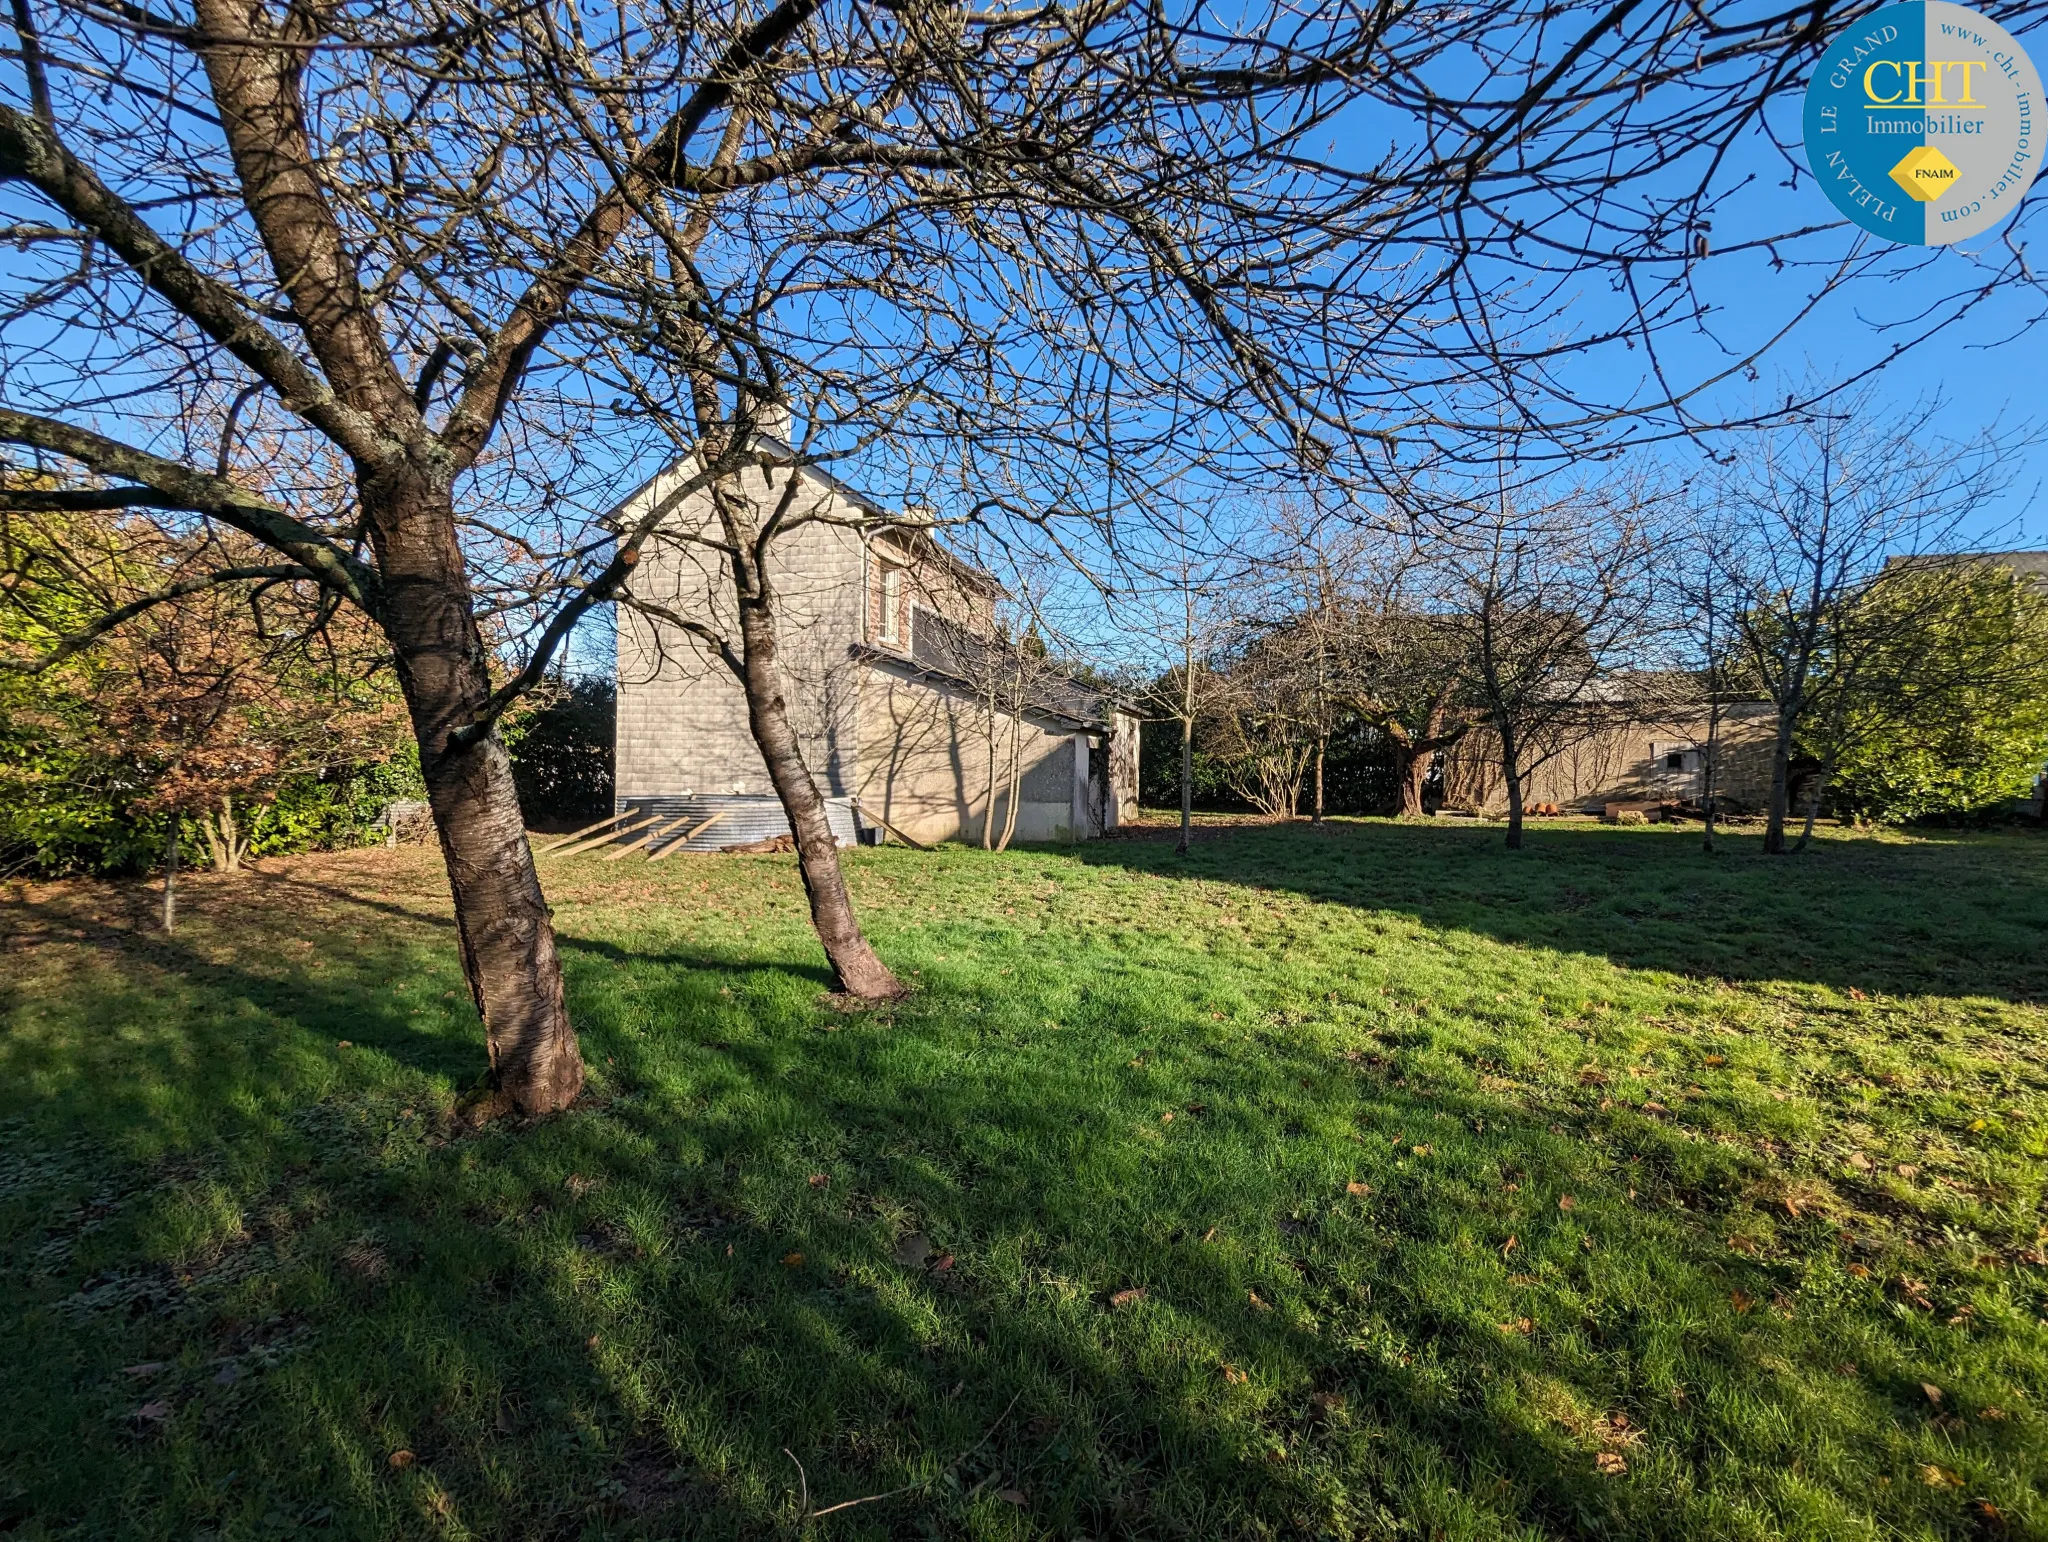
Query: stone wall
{"x": 1627, "y": 762}
{"x": 682, "y": 719}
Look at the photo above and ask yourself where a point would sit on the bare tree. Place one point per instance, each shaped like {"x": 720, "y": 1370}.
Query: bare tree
{"x": 1548, "y": 605}
{"x": 1175, "y": 605}
{"x": 1811, "y": 517}
{"x": 1403, "y": 669}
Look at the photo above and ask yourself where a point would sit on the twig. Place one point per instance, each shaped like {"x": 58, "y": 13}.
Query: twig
{"x": 803, "y": 1483}
{"x": 848, "y": 1504}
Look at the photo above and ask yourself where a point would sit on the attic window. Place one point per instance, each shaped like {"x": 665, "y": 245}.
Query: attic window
{"x": 892, "y": 604}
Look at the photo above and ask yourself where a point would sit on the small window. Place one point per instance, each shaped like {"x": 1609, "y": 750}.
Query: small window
{"x": 892, "y": 604}
{"x": 1675, "y": 761}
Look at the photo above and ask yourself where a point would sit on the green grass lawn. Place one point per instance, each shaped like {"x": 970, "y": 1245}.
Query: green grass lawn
{"x": 1371, "y": 1182}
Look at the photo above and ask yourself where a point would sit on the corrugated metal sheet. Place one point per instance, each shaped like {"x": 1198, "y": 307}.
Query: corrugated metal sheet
{"x": 748, "y": 818}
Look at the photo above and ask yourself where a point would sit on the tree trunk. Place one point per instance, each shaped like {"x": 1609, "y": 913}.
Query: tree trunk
{"x": 1011, "y": 780}
{"x": 1820, "y": 782}
{"x": 1511, "y": 769}
{"x": 1187, "y": 784}
{"x": 1710, "y": 774}
{"x": 1781, "y": 788}
{"x": 1322, "y": 745}
{"x": 988, "y": 809}
{"x": 171, "y": 879}
{"x": 856, "y": 969}
{"x": 1411, "y": 770}
{"x": 502, "y": 921}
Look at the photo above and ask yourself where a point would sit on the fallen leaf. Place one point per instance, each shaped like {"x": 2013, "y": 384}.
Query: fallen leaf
{"x": 1324, "y": 1405}
{"x": 1257, "y": 1304}
{"x": 1511, "y": 1188}
{"x": 1509, "y": 1246}
{"x": 819, "y": 1180}
{"x": 343, "y": 1044}
{"x": 1907, "y": 1170}
{"x": 1992, "y": 1414}
{"x": 1209, "y": 1235}
{"x": 1567, "y": 1202}
{"x": 153, "y": 1412}
{"x": 1127, "y": 1297}
{"x": 1011, "y": 1496}
{"x": 1612, "y": 1463}
{"x": 792, "y": 1260}
{"x": 1857, "y": 995}
{"x": 1167, "y": 1117}
{"x": 1859, "y": 1161}
{"x": 1655, "y": 1108}
{"x": 579, "y": 1185}
{"x": 1742, "y": 1244}
{"x": 1355, "y": 1187}
{"x": 913, "y": 1251}
{"x": 1933, "y": 1392}
{"x": 1859, "y": 1271}
{"x": 591, "y": 1342}
{"x": 1519, "y": 1325}
{"x": 402, "y": 1459}
{"x": 1934, "y": 1475}
{"x": 1741, "y": 1301}
{"x": 945, "y": 1262}
{"x": 1715, "y": 1060}
{"x": 1234, "y": 1376}
{"x": 1424, "y": 1150}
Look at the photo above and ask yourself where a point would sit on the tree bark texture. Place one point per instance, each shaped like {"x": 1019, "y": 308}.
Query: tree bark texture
{"x": 1187, "y": 784}
{"x": 502, "y": 921}
{"x": 1781, "y": 788}
{"x": 1322, "y": 746}
{"x": 171, "y": 879}
{"x": 1411, "y": 771}
{"x": 1511, "y": 769}
{"x": 856, "y": 968}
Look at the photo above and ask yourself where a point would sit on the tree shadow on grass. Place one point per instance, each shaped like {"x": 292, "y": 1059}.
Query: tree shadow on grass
{"x": 616, "y": 1323}
{"x": 1957, "y": 915}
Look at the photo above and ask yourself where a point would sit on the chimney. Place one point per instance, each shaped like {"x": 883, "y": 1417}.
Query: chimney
{"x": 773, "y": 419}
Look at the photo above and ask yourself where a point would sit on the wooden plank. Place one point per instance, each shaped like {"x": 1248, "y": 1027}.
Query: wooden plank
{"x": 608, "y": 836}
{"x": 576, "y": 835}
{"x": 867, "y": 813}
{"x": 686, "y": 837}
{"x": 658, "y": 831}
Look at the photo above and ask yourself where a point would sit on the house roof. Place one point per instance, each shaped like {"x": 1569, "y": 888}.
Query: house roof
{"x": 2028, "y": 564}
{"x": 892, "y": 522}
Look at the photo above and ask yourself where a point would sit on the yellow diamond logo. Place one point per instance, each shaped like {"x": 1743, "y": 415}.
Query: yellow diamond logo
{"x": 1925, "y": 173}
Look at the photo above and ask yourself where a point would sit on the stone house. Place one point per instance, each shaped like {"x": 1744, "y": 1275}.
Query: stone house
{"x": 901, "y": 700}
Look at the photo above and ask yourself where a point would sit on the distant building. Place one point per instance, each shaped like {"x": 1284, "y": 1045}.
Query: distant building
{"x": 1617, "y": 753}
{"x": 889, "y": 669}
